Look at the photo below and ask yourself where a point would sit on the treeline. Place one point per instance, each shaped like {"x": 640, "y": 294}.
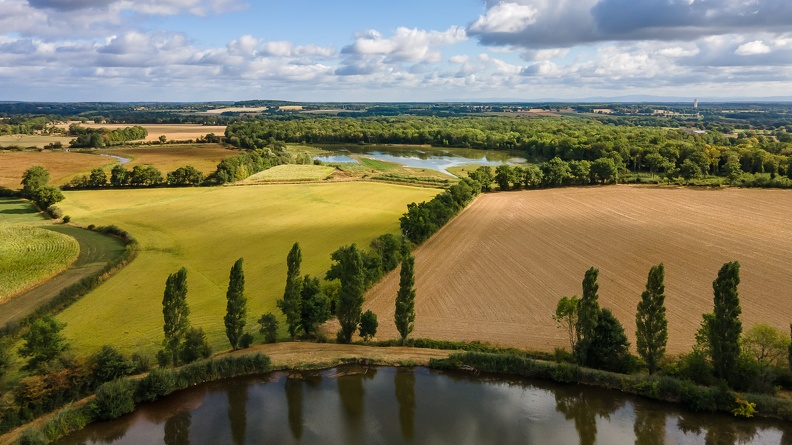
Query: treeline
{"x": 102, "y": 137}
{"x": 139, "y": 176}
{"x": 637, "y": 149}
{"x": 422, "y": 220}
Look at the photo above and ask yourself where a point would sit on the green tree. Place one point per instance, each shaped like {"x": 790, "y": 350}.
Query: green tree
{"x": 290, "y": 303}
{"x": 43, "y": 342}
{"x": 195, "y": 346}
{"x": 109, "y": 364}
{"x": 655, "y": 161}
{"x": 604, "y": 170}
{"x": 33, "y": 179}
{"x": 119, "y": 176}
{"x": 349, "y": 270}
{"x": 733, "y": 169}
{"x": 725, "y": 326}
{"x": 532, "y": 176}
{"x": 46, "y": 196}
{"x": 268, "y": 327}
{"x": 765, "y": 344}
{"x": 483, "y": 175}
{"x": 98, "y": 177}
{"x": 404, "y": 315}
{"x": 566, "y": 315}
{"x": 504, "y": 176}
{"x": 175, "y": 312}
{"x": 588, "y": 316}
{"x": 368, "y": 325}
{"x": 556, "y": 172}
{"x": 650, "y": 320}
{"x": 580, "y": 171}
{"x": 315, "y": 306}
{"x": 236, "y": 309}
{"x": 689, "y": 170}
{"x": 609, "y": 347}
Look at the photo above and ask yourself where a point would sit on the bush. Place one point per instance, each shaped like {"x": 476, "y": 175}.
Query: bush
{"x": 269, "y": 327}
{"x": 66, "y": 421}
{"x": 195, "y": 346}
{"x": 109, "y": 364}
{"x": 140, "y": 363}
{"x": 246, "y": 340}
{"x": 55, "y": 212}
{"x": 158, "y": 383}
{"x": 114, "y": 399}
{"x": 66, "y": 219}
{"x": 32, "y": 436}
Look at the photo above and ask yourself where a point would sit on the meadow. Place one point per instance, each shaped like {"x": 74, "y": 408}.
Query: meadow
{"x": 32, "y": 140}
{"x": 495, "y": 273}
{"x": 206, "y": 230}
{"x": 291, "y": 172}
{"x": 168, "y": 158}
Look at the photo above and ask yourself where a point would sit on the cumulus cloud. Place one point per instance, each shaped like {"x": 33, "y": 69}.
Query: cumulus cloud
{"x": 565, "y": 23}
{"x": 752, "y": 48}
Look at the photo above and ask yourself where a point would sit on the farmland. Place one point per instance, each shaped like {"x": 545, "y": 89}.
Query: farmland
{"x": 291, "y": 172}
{"x": 172, "y": 132}
{"x": 167, "y": 158}
{"x": 62, "y": 166}
{"x": 496, "y": 272}
{"x": 206, "y": 230}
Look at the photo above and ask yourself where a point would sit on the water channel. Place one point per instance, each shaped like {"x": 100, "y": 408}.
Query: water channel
{"x": 434, "y": 158}
{"x": 359, "y": 405}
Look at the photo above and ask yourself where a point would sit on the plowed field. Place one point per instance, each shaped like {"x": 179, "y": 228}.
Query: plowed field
{"x": 496, "y": 272}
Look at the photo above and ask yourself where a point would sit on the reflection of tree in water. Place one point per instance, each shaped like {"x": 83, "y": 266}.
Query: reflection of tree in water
{"x": 352, "y": 394}
{"x": 237, "y": 410}
{"x": 720, "y": 430}
{"x": 649, "y": 425}
{"x": 177, "y": 429}
{"x": 583, "y": 406}
{"x": 786, "y": 437}
{"x": 404, "y": 382}
{"x": 110, "y": 432}
{"x": 294, "y": 401}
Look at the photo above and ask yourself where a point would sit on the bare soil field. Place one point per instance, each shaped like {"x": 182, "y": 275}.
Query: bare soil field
{"x": 62, "y": 165}
{"x": 173, "y": 132}
{"x": 168, "y": 158}
{"x": 496, "y": 272}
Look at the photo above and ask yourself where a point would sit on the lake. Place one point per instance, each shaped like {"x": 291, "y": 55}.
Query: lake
{"x": 366, "y": 405}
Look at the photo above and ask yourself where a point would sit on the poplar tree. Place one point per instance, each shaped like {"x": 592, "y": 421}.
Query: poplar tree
{"x": 650, "y": 320}
{"x": 236, "y": 307}
{"x": 348, "y": 269}
{"x": 588, "y": 316}
{"x": 725, "y": 326}
{"x": 290, "y": 304}
{"x": 175, "y": 312}
{"x": 404, "y": 316}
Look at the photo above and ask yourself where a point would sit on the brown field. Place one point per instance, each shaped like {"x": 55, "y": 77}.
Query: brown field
{"x": 496, "y": 272}
{"x": 173, "y": 132}
{"x": 32, "y": 140}
{"x": 62, "y": 165}
{"x": 168, "y": 158}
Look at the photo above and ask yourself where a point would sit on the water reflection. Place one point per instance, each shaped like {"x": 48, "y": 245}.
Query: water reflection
{"x": 356, "y": 405}
{"x": 404, "y": 384}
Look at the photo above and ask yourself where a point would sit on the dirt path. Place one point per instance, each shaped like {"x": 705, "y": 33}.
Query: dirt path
{"x": 96, "y": 250}
{"x": 296, "y": 354}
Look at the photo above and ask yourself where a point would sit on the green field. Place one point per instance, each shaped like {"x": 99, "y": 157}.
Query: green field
{"x": 206, "y": 230}
{"x": 29, "y": 254}
{"x": 292, "y": 172}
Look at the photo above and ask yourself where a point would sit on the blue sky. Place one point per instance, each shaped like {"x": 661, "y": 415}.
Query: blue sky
{"x": 350, "y": 50}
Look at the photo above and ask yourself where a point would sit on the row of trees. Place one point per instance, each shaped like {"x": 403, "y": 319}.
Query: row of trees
{"x": 35, "y": 186}
{"x": 722, "y": 353}
{"x": 139, "y": 176}
{"x": 102, "y": 137}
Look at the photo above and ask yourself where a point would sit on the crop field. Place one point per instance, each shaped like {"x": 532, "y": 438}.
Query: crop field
{"x": 32, "y": 140}
{"x": 173, "y": 132}
{"x": 29, "y": 255}
{"x": 206, "y": 230}
{"x": 62, "y": 166}
{"x": 496, "y": 272}
{"x": 168, "y": 158}
{"x": 292, "y": 172}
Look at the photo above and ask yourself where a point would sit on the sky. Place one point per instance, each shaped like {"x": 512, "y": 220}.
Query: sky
{"x": 384, "y": 50}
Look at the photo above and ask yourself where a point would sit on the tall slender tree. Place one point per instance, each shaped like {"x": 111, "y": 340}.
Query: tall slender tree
{"x": 236, "y": 309}
{"x": 315, "y": 306}
{"x": 650, "y": 320}
{"x": 349, "y": 269}
{"x": 725, "y": 326}
{"x": 291, "y": 302}
{"x": 404, "y": 315}
{"x": 175, "y": 312}
{"x": 588, "y": 316}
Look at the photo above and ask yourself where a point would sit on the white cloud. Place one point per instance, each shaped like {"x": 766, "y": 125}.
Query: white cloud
{"x": 752, "y": 48}
{"x": 505, "y": 17}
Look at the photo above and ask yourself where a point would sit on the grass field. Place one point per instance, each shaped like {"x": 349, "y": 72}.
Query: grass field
{"x": 496, "y": 272}
{"x": 173, "y": 132}
{"x": 206, "y": 230}
{"x": 168, "y": 158}
{"x": 292, "y": 172}
{"x": 62, "y": 165}
{"x": 29, "y": 255}
{"x": 32, "y": 140}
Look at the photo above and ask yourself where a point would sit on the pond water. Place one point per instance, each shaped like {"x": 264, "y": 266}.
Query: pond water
{"x": 357, "y": 405}
{"x": 433, "y": 158}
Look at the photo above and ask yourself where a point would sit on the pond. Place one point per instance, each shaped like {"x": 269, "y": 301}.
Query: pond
{"x": 358, "y": 405}
{"x": 433, "y": 158}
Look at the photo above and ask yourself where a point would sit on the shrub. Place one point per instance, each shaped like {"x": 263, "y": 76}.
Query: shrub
{"x": 55, "y": 212}
{"x": 32, "y": 436}
{"x": 109, "y": 364}
{"x": 114, "y": 399}
{"x": 140, "y": 363}
{"x": 158, "y": 383}
{"x": 195, "y": 346}
{"x": 246, "y": 340}
{"x": 269, "y": 327}
{"x": 66, "y": 219}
